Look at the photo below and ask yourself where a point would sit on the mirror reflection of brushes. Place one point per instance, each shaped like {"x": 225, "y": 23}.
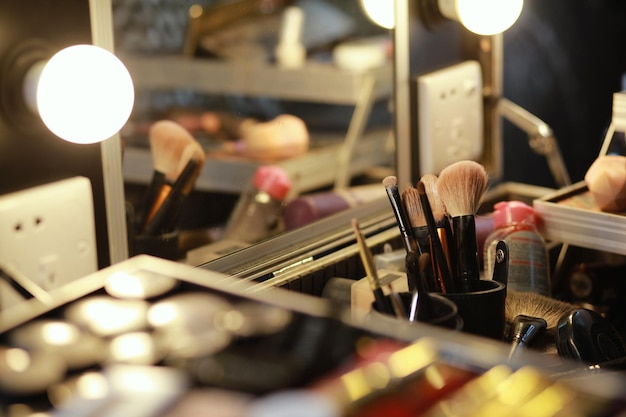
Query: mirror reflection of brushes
{"x": 29, "y": 373}
{"x": 586, "y": 336}
{"x": 107, "y": 316}
{"x": 78, "y": 348}
{"x": 139, "y": 285}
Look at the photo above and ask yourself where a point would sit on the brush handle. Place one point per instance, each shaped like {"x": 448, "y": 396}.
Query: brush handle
{"x": 156, "y": 183}
{"x": 167, "y": 210}
{"x": 401, "y": 218}
{"x": 439, "y": 255}
{"x": 422, "y": 237}
{"x": 466, "y": 248}
{"x": 382, "y": 303}
{"x": 421, "y": 307}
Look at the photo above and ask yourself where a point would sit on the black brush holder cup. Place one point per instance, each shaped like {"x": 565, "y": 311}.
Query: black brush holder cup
{"x": 163, "y": 246}
{"x": 482, "y": 308}
{"x": 444, "y": 311}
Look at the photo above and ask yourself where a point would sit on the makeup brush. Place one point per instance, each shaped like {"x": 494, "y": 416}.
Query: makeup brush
{"x": 438, "y": 253}
{"x": 524, "y": 330}
{"x": 444, "y": 229}
{"x": 168, "y": 141}
{"x": 461, "y": 187}
{"x": 417, "y": 221}
{"x": 531, "y": 304}
{"x": 167, "y": 208}
{"x": 419, "y": 228}
{"x": 535, "y": 305}
{"x": 391, "y": 186}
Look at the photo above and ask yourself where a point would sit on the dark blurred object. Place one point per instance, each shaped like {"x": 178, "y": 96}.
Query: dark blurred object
{"x": 600, "y": 284}
{"x": 586, "y": 336}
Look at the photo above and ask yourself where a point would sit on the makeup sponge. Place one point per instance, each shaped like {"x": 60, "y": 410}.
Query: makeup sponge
{"x": 606, "y": 180}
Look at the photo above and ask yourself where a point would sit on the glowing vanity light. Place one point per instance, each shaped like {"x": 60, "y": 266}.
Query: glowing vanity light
{"x": 379, "y": 12}
{"x": 84, "y": 93}
{"x": 483, "y": 17}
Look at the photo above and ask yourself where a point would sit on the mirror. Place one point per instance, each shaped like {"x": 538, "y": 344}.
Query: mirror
{"x": 218, "y": 60}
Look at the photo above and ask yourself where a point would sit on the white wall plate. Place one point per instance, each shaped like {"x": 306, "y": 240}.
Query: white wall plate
{"x": 450, "y": 116}
{"x": 47, "y": 232}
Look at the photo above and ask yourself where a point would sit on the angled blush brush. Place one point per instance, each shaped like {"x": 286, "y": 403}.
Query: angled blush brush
{"x": 391, "y": 186}
{"x": 461, "y": 187}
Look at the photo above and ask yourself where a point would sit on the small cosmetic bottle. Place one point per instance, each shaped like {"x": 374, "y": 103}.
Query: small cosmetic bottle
{"x": 258, "y": 212}
{"x": 515, "y": 223}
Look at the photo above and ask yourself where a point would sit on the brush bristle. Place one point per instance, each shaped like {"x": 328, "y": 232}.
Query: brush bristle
{"x": 461, "y": 187}
{"x": 390, "y": 181}
{"x": 193, "y": 151}
{"x": 535, "y": 305}
{"x": 432, "y": 192}
{"x": 168, "y": 141}
{"x": 413, "y": 207}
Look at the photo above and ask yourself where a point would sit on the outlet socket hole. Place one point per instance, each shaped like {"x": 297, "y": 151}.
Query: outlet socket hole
{"x": 17, "y": 227}
{"x": 38, "y": 221}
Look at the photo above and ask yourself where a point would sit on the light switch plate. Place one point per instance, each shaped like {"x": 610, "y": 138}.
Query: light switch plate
{"x": 48, "y": 233}
{"x": 450, "y": 116}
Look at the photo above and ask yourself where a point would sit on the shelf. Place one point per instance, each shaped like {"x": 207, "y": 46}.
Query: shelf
{"x": 317, "y": 168}
{"x": 315, "y": 82}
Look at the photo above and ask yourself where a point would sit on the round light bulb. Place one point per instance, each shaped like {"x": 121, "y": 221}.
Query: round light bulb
{"x": 483, "y": 17}
{"x": 379, "y": 12}
{"x": 488, "y": 17}
{"x": 85, "y": 94}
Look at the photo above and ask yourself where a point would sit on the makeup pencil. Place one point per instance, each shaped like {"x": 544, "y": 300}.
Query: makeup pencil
{"x": 367, "y": 259}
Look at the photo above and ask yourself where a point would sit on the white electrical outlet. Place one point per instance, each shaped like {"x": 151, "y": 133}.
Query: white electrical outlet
{"x": 47, "y": 233}
{"x": 450, "y": 116}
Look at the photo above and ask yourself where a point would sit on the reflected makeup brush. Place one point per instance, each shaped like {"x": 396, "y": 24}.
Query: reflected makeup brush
{"x": 168, "y": 141}
{"x": 391, "y": 186}
{"x": 168, "y": 205}
{"x": 461, "y": 187}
